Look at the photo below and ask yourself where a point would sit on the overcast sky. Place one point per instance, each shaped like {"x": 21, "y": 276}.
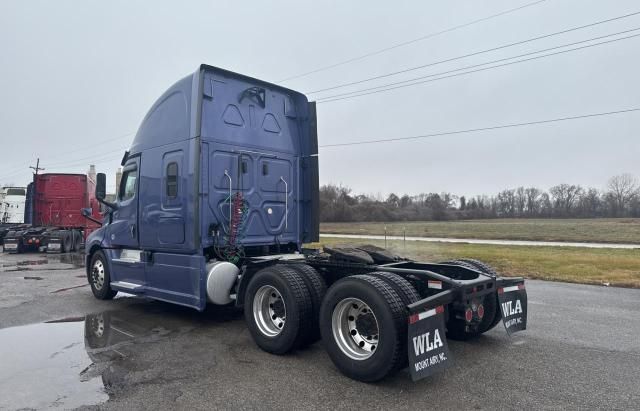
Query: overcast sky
{"x": 77, "y": 77}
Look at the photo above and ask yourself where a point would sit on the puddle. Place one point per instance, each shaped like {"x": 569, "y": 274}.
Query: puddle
{"x": 75, "y": 259}
{"x": 74, "y": 361}
{"x": 42, "y": 366}
{"x": 70, "y": 362}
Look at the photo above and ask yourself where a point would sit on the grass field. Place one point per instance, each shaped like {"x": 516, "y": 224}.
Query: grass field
{"x": 603, "y": 230}
{"x": 578, "y": 265}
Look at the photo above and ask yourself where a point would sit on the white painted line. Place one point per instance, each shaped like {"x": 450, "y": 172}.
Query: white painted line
{"x": 493, "y": 242}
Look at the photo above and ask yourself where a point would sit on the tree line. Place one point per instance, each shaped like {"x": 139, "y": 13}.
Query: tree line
{"x": 620, "y": 198}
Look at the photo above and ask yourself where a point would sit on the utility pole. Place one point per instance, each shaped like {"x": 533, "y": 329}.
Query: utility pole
{"x": 37, "y": 167}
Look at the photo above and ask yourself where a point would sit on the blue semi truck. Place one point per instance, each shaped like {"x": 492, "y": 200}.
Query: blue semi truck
{"x": 219, "y": 192}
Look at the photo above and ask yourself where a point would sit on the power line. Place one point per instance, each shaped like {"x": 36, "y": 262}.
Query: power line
{"x": 88, "y": 158}
{"x": 323, "y": 99}
{"x": 102, "y": 158}
{"x": 405, "y": 43}
{"x": 81, "y": 149}
{"x": 474, "y": 130}
{"x": 401, "y": 84}
{"x": 93, "y": 145}
{"x": 474, "y": 53}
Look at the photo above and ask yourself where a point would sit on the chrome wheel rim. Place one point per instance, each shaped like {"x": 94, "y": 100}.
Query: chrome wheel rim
{"x": 98, "y": 326}
{"x": 269, "y": 311}
{"x": 355, "y": 328}
{"x": 97, "y": 274}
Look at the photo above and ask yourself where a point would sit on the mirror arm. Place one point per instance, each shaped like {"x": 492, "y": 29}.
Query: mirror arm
{"x": 93, "y": 219}
{"x": 112, "y": 206}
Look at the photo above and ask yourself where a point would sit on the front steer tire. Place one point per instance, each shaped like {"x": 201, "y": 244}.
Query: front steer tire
{"x": 100, "y": 278}
{"x": 390, "y": 352}
{"x": 278, "y": 309}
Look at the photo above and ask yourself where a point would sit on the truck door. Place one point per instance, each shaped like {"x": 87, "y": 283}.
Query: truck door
{"x": 127, "y": 266}
{"x": 124, "y": 227}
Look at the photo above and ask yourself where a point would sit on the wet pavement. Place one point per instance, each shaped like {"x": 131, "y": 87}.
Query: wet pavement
{"x": 60, "y": 349}
{"x": 45, "y": 366}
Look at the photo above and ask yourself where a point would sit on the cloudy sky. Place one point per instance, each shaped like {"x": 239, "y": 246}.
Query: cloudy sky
{"x": 76, "y": 78}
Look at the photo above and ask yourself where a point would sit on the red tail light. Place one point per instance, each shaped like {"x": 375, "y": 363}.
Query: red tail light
{"x": 481, "y": 311}
{"x": 468, "y": 315}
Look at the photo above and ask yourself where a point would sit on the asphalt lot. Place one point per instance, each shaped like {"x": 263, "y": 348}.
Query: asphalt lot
{"x": 61, "y": 348}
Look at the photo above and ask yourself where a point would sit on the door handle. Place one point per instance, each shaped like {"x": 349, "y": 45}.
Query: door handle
{"x": 132, "y": 230}
{"x": 286, "y": 202}
{"x": 226, "y": 173}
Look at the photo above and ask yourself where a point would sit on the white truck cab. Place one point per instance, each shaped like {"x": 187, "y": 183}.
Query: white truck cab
{"x": 12, "y": 205}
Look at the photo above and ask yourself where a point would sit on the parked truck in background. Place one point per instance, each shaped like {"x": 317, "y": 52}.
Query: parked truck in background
{"x": 54, "y": 208}
{"x": 12, "y": 202}
{"x": 12, "y": 205}
{"x": 218, "y": 194}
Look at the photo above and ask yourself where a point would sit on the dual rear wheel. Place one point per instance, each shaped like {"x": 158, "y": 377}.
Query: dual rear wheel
{"x": 361, "y": 319}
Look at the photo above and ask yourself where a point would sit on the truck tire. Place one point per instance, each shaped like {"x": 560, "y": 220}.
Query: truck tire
{"x": 99, "y": 277}
{"x": 405, "y": 290}
{"x": 364, "y": 327}
{"x": 67, "y": 242}
{"x": 480, "y": 266}
{"x": 75, "y": 241}
{"x": 278, "y": 309}
{"x": 317, "y": 290}
{"x": 97, "y": 328}
{"x": 78, "y": 240}
{"x": 456, "y": 327}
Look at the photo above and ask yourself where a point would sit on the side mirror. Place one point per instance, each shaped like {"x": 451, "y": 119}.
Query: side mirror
{"x": 101, "y": 191}
{"x": 101, "y": 186}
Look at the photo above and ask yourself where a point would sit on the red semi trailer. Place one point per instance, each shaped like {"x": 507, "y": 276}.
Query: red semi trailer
{"x": 58, "y": 224}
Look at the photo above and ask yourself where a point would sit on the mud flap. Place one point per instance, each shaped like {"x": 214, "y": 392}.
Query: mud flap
{"x": 513, "y": 306}
{"x": 428, "y": 350}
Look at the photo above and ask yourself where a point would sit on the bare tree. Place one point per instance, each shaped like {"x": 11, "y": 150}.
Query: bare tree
{"x": 506, "y": 202}
{"x": 520, "y": 201}
{"x": 393, "y": 200}
{"x": 622, "y": 188}
{"x": 621, "y": 198}
{"x": 533, "y": 200}
{"x": 564, "y": 197}
{"x": 463, "y": 203}
{"x": 590, "y": 203}
{"x": 405, "y": 201}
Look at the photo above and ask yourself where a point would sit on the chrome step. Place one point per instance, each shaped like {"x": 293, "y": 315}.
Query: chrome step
{"x": 130, "y": 287}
